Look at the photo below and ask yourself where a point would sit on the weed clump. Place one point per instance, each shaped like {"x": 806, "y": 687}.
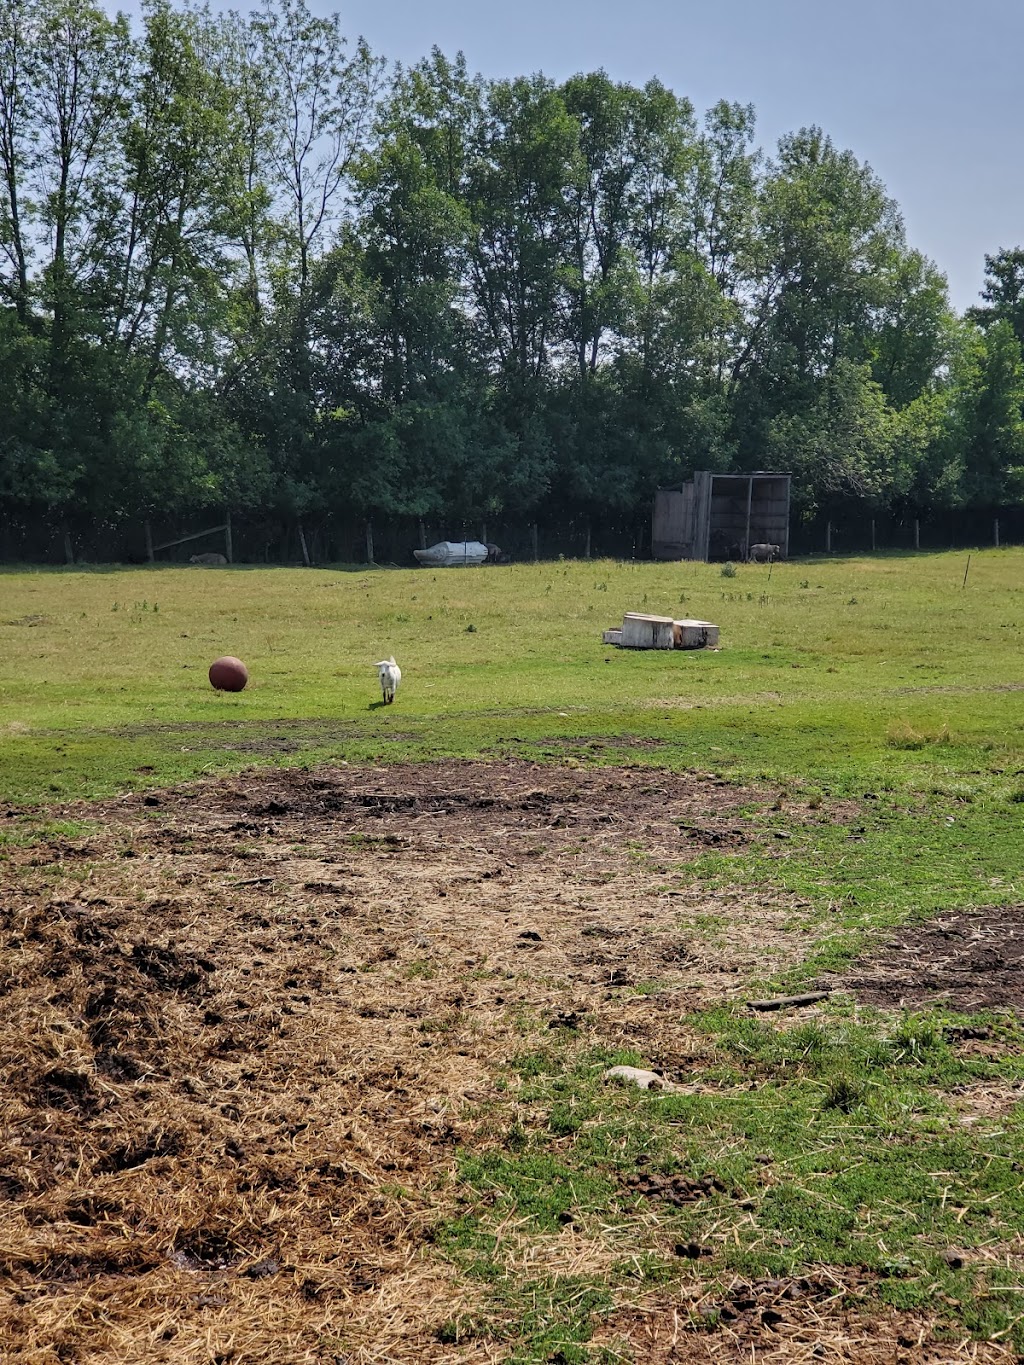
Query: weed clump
{"x": 915, "y": 1038}
{"x": 902, "y": 735}
{"x": 843, "y": 1094}
{"x": 729, "y": 570}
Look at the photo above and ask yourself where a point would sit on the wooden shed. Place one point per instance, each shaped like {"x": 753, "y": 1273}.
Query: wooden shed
{"x": 719, "y": 516}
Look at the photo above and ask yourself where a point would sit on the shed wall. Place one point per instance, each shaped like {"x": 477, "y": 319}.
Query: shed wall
{"x": 672, "y": 529}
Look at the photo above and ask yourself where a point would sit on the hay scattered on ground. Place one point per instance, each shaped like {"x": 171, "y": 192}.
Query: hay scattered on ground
{"x": 244, "y": 1022}
{"x": 246, "y": 1025}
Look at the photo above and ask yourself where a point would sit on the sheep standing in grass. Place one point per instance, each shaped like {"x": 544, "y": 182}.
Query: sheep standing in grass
{"x": 390, "y": 677}
{"x": 764, "y": 554}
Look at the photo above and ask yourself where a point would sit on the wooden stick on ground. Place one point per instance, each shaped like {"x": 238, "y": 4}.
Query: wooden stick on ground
{"x": 782, "y": 1002}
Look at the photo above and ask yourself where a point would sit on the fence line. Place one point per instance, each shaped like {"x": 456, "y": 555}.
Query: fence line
{"x": 391, "y": 541}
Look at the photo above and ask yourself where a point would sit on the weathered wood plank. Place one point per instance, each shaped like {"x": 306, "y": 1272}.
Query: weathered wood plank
{"x": 782, "y": 1002}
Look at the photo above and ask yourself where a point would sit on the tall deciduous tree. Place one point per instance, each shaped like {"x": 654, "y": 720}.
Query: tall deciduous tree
{"x": 985, "y": 429}
{"x": 322, "y": 103}
{"x": 1003, "y": 291}
{"x": 843, "y": 445}
{"x": 82, "y": 76}
{"x": 527, "y": 145}
{"x": 235, "y": 268}
{"x": 171, "y": 265}
{"x": 17, "y": 130}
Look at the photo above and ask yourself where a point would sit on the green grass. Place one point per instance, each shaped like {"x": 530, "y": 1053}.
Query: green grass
{"x": 837, "y": 1144}
{"x": 879, "y": 686}
{"x": 907, "y": 702}
{"x": 104, "y": 672}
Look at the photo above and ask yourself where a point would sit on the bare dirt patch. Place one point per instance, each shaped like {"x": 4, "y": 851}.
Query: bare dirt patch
{"x": 245, "y": 1025}
{"x": 967, "y": 962}
{"x": 823, "y": 1319}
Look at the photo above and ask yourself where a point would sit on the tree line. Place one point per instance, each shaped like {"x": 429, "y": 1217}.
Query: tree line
{"x": 245, "y": 264}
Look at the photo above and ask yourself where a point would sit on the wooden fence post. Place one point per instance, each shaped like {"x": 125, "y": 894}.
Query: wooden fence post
{"x": 149, "y": 540}
{"x": 586, "y": 551}
{"x": 369, "y": 543}
{"x": 828, "y": 537}
{"x": 536, "y": 553}
{"x": 302, "y": 542}
{"x": 996, "y": 529}
{"x": 917, "y": 534}
{"x": 229, "y": 553}
{"x": 872, "y": 535}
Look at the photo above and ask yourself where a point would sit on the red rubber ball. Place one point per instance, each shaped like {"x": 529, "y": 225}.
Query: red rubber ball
{"x": 228, "y": 674}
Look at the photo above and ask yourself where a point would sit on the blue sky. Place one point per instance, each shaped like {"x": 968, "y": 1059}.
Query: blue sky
{"x": 928, "y": 92}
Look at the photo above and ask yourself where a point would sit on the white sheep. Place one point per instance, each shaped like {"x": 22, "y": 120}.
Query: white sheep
{"x": 764, "y": 554}
{"x": 390, "y": 677}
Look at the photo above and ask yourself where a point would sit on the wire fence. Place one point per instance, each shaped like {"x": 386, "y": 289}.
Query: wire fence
{"x": 272, "y": 539}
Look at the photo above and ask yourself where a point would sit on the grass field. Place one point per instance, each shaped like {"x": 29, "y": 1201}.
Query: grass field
{"x": 821, "y": 1183}
{"x": 881, "y": 669}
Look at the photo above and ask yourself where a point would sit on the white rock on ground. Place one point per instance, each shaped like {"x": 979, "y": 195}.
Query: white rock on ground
{"x": 634, "y": 1075}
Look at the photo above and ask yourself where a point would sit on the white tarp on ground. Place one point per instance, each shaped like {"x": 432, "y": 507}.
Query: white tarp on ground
{"x": 449, "y": 553}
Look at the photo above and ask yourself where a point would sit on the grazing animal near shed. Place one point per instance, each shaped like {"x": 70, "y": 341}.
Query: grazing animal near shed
{"x": 763, "y": 554}
{"x": 390, "y": 677}
{"x": 208, "y": 559}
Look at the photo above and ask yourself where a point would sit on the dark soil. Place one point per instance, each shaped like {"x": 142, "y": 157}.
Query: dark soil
{"x": 965, "y": 962}
{"x": 827, "y": 1318}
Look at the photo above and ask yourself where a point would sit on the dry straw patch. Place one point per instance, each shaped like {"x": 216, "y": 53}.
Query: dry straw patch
{"x": 246, "y": 1024}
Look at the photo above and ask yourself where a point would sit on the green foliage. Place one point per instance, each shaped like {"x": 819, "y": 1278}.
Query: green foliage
{"x": 1003, "y": 291}
{"x": 843, "y": 446}
{"x": 985, "y": 423}
{"x": 254, "y": 270}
